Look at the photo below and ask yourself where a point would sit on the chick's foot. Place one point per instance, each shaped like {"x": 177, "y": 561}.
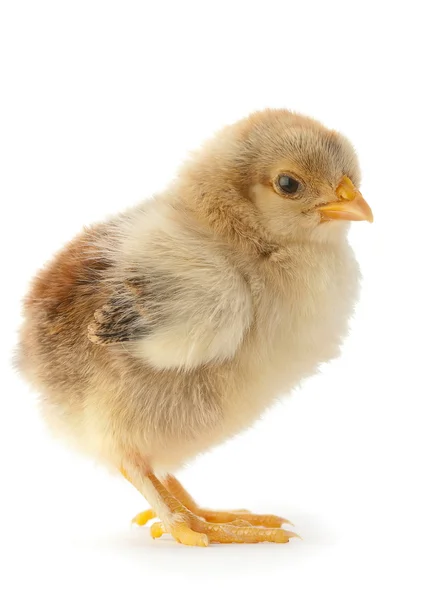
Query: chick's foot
{"x": 192, "y": 530}
{"x": 221, "y": 516}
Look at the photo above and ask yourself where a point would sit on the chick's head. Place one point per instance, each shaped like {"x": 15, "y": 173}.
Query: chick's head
{"x": 299, "y": 178}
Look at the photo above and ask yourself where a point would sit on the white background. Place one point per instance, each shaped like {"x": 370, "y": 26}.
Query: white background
{"x": 99, "y": 103}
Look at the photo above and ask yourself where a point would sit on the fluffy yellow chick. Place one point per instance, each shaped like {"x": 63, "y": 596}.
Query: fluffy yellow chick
{"x": 168, "y": 329}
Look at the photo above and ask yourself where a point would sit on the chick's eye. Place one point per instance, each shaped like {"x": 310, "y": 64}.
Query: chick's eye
{"x": 288, "y": 184}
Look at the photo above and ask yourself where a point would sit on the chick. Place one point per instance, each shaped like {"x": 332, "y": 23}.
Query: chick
{"x": 168, "y": 329}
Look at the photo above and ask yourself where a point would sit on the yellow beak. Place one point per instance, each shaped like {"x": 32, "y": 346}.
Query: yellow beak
{"x": 350, "y": 206}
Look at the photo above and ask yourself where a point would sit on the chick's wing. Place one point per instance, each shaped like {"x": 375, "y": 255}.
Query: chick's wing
{"x": 174, "y": 319}
{"x": 124, "y": 317}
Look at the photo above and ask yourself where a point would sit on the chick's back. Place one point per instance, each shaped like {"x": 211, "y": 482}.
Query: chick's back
{"x": 54, "y": 350}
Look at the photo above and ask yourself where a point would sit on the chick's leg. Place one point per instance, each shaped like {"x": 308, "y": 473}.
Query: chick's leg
{"x": 220, "y": 516}
{"x": 172, "y": 514}
{"x": 190, "y": 529}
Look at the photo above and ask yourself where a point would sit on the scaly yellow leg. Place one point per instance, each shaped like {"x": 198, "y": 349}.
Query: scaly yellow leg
{"x": 177, "y": 515}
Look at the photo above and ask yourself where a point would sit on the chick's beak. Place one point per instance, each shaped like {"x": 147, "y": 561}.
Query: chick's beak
{"x": 350, "y": 205}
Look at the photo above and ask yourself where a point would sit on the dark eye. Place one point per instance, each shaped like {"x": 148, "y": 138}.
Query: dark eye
{"x": 288, "y": 184}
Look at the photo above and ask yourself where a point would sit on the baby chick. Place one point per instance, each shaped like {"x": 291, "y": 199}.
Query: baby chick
{"x": 168, "y": 329}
